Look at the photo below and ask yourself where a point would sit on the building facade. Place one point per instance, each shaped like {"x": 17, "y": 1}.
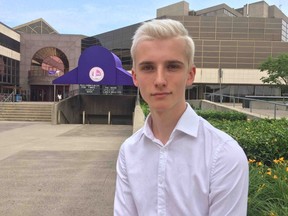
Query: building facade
{"x": 230, "y": 42}
{"x": 9, "y": 59}
{"x": 32, "y": 55}
{"x": 230, "y": 46}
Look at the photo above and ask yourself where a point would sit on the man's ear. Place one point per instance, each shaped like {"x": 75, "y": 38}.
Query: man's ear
{"x": 134, "y": 77}
{"x": 191, "y": 76}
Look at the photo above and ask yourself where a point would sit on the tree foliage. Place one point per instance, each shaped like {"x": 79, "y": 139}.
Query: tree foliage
{"x": 277, "y": 70}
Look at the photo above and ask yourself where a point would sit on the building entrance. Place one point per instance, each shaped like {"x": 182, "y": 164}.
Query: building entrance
{"x": 46, "y": 92}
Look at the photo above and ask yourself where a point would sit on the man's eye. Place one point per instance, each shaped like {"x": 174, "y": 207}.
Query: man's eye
{"x": 173, "y": 67}
{"x": 147, "y": 68}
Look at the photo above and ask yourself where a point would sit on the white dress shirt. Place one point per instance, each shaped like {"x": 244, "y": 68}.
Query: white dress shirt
{"x": 200, "y": 171}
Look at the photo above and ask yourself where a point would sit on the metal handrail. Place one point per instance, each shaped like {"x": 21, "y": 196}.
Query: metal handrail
{"x": 213, "y": 96}
{"x": 8, "y": 98}
{"x": 124, "y": 92}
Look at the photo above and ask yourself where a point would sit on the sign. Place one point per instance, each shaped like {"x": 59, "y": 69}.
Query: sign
{"x": 108, "y": 90}
{"x": 89, "y": 89}
{"x": 98, "y": 89}
{"x": 96, "y": 74}
{"x": 52, "y": 72}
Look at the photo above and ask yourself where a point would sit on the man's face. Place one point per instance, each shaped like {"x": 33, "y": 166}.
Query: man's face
{"x": 161, "y": 72}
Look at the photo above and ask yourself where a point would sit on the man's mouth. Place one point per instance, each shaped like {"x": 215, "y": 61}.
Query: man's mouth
{"x": 161, "y": 93}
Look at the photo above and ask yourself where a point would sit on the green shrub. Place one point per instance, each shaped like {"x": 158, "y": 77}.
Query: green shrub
{"x": 262, "y": 140}
{"x": 217, "y": 115}
{"x": 268, "y": 188}
{"x": 145, "y": 108}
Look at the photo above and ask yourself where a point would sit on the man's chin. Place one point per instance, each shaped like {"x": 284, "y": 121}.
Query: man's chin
{"x": 159, "y": 107}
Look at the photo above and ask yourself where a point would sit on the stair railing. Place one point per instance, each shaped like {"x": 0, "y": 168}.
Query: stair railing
{"x": 5, "y": 98}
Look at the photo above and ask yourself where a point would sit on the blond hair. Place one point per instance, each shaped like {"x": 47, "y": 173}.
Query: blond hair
{"x": 163, "y": 29}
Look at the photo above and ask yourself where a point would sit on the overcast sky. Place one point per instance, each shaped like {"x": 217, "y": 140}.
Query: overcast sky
{"x": 91, "y": 17}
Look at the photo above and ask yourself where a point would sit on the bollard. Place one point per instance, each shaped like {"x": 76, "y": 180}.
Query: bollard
{"x": 58, "y": 117}
{"x": 83, "y": 117}
{"x": 109, "y": 118}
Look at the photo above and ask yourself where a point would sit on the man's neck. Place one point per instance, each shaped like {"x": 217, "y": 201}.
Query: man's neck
{"x": 163, "y": 123}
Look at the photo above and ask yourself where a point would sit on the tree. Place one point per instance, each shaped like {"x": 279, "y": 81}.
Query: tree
{"x": 277, "y": 70}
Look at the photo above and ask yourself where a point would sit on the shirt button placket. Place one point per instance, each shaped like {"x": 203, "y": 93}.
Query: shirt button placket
{"x": 161, "y": 182}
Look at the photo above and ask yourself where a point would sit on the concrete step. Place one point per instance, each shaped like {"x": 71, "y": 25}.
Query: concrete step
{"x": 33, "y": 119}
{"x": 25, "y": 108}
{"x": 19, "y": 115}
{"x": 26, "y": 111}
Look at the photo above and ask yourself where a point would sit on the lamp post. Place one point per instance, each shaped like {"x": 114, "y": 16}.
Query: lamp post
{"x": 54, "y": 91}
{"x": 220, "y": 74}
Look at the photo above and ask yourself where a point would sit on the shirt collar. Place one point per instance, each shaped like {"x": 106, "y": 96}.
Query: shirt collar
{"x": 147, "y": 128}
{"x": 188, "y": 123}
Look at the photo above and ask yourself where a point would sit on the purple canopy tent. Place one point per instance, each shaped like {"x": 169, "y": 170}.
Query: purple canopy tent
{"x": 97, "y": 66}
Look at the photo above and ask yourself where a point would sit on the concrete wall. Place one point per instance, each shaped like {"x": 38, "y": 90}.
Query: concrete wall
{"x": 268, "y": 106}
{"x": 196, "y": 104}
{"x": 208, "y": 105}
{"x": 70, "y": 45}
{"x": 67, "y": 111}
{"x": 177, "y": 9}
{"x": 95, "y": 109}
{"x": 138, "y": 118}
{"x": 257, "y": 9}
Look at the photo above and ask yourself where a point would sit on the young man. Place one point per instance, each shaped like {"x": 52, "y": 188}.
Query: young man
{"x": 177, "y": 164}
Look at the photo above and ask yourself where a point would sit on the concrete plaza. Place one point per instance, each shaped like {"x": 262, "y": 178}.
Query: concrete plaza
{"x": 58, "y": 170}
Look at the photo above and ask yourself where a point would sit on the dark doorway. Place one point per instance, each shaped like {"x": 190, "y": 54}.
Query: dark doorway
{"x": 46, "y": 92}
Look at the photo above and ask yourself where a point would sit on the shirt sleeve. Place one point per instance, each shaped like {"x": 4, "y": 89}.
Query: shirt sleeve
{"x": 123, "y": 201}
{"x": 229, "y": 181}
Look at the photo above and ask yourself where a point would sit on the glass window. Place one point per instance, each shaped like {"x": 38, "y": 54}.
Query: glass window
{"x": 228, "y": 13}
{"x": 9, "y": 43}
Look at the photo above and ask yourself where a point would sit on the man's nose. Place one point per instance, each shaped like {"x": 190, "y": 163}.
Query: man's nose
{"x": 160, "y": 79}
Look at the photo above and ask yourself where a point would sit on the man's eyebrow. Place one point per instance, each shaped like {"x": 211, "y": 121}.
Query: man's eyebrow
{"x": 167, "y": 62}
{"x": 175, "y": 62}
{"x": 145, "y": 63}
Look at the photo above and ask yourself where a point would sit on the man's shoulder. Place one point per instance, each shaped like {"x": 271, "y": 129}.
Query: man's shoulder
{"x": 213, "y": 131}
{"x": 223, "y": 143}
{"x": 133, "y": 139}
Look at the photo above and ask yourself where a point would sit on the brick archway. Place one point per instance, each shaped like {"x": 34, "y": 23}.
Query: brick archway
{"x": 47, "y": 64}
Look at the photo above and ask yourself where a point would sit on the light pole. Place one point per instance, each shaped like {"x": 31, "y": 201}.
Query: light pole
{"x": 220, "y": 74}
